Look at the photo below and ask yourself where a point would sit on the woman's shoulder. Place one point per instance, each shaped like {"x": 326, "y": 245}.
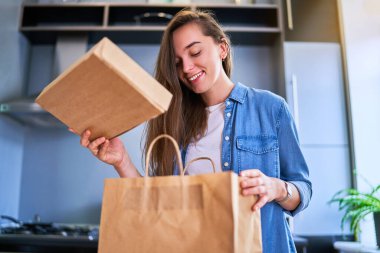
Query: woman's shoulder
{"x": 264, "y": 97}
{"x": 268, "y": 104}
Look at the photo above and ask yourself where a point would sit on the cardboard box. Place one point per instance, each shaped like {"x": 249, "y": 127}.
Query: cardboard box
{"x": 104, "y": 91}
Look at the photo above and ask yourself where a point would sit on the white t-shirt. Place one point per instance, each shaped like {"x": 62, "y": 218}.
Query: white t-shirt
{"x": 210, "y": 145}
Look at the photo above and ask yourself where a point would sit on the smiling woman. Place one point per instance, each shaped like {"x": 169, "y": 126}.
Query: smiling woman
{"x": 245, "y": 130}
{"x": 199, "y": 62}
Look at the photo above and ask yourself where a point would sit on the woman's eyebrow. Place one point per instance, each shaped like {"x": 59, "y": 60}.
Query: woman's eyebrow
{"x": 191, "y": 44}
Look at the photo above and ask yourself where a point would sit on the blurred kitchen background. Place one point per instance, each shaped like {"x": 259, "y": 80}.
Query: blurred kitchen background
{"x": 323, "y": 56}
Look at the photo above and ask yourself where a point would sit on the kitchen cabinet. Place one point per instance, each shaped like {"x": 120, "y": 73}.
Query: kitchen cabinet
{"x": 315, "y": 92}
{"x": 328, "y": 167}
{"x": 258, "y": 31}
{"x": 143, "y": 23}
{"x": 311, "y": 20}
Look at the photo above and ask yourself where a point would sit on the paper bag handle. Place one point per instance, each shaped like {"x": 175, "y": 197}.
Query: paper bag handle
{"x": 200, "y": 158}
{"x": 178, "y": 153}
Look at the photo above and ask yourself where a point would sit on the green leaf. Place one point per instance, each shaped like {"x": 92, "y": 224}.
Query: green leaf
{"x": 356, "y": 206}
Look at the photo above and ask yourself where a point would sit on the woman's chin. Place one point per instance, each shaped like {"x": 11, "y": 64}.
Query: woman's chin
{"x": 198, "y": 90}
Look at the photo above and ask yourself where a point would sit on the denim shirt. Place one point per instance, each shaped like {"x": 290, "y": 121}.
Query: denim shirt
{"x": 262, "y": 135}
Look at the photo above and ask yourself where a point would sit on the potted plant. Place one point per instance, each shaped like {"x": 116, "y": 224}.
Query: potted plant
{"x": 357, "y": 205}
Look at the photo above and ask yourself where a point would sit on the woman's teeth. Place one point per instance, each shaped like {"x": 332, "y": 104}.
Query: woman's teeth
{"x": 195, "y": 76}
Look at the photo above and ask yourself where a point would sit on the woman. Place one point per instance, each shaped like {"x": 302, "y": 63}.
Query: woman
{"x": 242, "y": 129}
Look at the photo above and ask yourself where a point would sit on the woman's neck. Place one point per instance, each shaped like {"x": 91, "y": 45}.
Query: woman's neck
{"x": 219, "y": 92}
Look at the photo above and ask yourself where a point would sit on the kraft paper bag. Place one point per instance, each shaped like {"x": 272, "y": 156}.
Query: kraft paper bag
{"x": 201, "y": 213}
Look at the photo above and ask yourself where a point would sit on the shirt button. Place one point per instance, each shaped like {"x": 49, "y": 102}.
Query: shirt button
{"x": 227, "y": 138}
{"x": 226, "y": 164}
{"x": 228, "y": 102}
{"x": 228, "y": 114}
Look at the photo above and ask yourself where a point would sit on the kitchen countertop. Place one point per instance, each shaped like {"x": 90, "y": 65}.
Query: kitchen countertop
{"x": 75, "y": 244}
{"x": 354, "y": 247}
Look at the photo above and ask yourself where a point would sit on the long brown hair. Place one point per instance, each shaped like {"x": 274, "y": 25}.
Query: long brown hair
{"x": 186, "y": 118}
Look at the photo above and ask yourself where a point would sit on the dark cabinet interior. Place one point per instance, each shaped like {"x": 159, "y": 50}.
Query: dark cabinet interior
{"x": 143, "y": 23}
{"x": 141, "y": 16}
{"x": 40, "y": 17}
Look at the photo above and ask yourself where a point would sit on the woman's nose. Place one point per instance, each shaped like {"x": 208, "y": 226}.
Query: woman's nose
{"x": 187, "y": 66}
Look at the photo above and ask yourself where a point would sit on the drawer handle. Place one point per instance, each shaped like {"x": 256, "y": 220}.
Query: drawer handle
{"x": 294, "y": 84}
{"x": 290, "y": 14}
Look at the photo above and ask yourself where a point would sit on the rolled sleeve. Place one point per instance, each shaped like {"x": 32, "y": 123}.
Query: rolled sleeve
{"x": 305, "y": 195}
{"x": 293, "y": 167}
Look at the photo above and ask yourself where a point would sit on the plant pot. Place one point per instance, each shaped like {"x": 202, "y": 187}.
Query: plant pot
{"x": 376, "y": 219}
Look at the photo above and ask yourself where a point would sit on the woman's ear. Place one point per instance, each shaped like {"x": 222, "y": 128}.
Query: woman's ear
{"x": 224, "y": 49}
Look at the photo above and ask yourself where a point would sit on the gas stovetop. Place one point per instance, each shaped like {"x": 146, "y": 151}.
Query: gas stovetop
{"x": 59, "y": 230}
{"x": 17, "y": 227}
{"x": 43, "y": 237}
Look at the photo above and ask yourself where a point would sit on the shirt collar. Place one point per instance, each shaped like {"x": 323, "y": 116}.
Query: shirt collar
{"x": 239, "y": 93}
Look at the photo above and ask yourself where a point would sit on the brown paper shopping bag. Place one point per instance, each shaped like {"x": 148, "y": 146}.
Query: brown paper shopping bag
{"x": 202, "y": 213}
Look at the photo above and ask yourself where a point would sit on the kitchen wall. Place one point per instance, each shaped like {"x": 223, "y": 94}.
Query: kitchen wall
{"x": 361, "y": 26}
{"x": 13, "y": 59}
{"x": 63, "y": 182}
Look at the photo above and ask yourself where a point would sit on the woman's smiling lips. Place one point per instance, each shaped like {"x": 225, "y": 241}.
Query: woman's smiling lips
{"x": 195, "y": 77}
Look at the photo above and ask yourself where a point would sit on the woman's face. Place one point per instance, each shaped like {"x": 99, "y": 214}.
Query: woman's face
{"x": 198, "y": 58}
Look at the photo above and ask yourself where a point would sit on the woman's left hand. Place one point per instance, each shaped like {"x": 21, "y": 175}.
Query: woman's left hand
{"x": 254, "y": 182}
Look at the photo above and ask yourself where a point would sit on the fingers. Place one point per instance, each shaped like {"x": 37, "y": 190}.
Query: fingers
{"x": 251, "y": 173}
{"x": 252, "y": 178}
{"x": 85, "y": 138}
{"x": 94, "y": 146}
{"x": 254, "y": 183}
{"x": 251, "y": 182}
{"x": 103, "y": 150}
{"x": 257, "y": 190}
{"x": 97, "y": 147}
{"x": 72, "y": 130}
{"x": 263, "y": 199}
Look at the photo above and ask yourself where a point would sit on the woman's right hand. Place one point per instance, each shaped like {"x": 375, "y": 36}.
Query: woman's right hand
{"x": 110, "y": 151}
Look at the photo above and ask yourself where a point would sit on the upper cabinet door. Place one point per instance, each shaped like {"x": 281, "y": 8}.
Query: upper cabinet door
{"x": 315, "y": 92}
{"x": 311, "y": 20}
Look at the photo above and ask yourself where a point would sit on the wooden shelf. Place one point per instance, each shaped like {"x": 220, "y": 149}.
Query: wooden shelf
{"x": 42, "y": 23}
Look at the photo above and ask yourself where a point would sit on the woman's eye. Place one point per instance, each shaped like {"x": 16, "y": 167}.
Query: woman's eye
{"x": 196, "y": 53}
